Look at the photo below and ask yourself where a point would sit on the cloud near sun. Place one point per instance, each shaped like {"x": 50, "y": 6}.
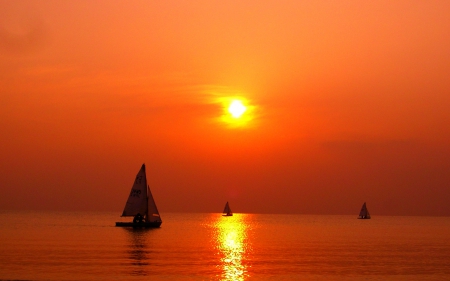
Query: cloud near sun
{"x": 235, "y": 111}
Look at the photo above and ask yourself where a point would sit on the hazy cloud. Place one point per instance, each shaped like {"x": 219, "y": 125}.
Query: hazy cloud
{"x": 23, "y": 40}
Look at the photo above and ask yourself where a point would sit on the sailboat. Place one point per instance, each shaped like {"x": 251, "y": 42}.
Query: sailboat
{"x": 140, "y": 204}
{"x": 364, "y": 213}
{"x": 227, "y": 211}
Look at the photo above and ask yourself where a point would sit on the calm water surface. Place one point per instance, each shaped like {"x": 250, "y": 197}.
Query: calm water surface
{"x": 87, "y": 246}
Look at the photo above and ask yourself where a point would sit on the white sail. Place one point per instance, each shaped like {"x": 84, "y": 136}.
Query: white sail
{"x": 364, "y": 213}
{"x": 227, "y": 210}
{"x": 137, "y": 200}
{"x": 152, "y": 211}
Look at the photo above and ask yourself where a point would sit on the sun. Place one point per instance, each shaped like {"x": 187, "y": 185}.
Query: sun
{"x": 238, "y": 112}
{"x": 236, "y": 108}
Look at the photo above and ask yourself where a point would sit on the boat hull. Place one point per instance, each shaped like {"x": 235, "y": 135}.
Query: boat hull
{"x": 154, "y": 224}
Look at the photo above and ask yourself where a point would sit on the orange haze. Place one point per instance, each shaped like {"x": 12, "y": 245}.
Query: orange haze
{"x": 348, "y": 102}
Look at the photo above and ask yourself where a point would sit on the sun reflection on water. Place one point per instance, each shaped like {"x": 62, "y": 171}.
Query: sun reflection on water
{"x": 233, "y": 246}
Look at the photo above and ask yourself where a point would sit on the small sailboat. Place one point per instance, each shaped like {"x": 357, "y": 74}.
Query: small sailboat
{"x": 227, "y": 211}
{"x": 364, "y": 213}
{"x": 141, "y": 205}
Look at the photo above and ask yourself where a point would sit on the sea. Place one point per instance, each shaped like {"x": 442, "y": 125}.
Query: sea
{"x": 208, "y": 246}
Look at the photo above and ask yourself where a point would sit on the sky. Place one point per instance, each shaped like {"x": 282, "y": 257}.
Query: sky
{"x": 346, "y": 102}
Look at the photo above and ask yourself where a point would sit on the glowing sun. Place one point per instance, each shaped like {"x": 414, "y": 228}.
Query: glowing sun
{"x": 236, "y": 111}
{"x": 236, "y": 108}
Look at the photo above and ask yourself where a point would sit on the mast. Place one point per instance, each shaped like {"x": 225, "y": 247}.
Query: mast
{"x": 146, "y": 211}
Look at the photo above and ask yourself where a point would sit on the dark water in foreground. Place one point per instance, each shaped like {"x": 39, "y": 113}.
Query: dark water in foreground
{"x": 87, "y": 246}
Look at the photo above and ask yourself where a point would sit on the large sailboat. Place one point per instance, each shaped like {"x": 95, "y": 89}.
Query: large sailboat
{"x": 364, "y": 213}
{"x": 141, "y": 205}
{"x": 227, "y": 211}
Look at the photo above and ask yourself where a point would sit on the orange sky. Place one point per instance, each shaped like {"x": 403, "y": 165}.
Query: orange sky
{"x": 349, "y": 104}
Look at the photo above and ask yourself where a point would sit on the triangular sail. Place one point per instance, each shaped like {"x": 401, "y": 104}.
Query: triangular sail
{"x": 227, "y": 209}
{"x": 364, "y": 213}
{"x": 152, "y": 211}
{"x": 137, "y": 200}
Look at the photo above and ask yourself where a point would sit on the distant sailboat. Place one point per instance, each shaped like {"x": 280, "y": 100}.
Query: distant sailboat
{"x": 227, "y": 211}
{"x": 140, "y": 204}
{"x": 364, "y": 213}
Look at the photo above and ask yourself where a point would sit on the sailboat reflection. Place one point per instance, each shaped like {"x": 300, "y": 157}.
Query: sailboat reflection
{"x": 138, "y": 251}
{"x": 232, "y": 245}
